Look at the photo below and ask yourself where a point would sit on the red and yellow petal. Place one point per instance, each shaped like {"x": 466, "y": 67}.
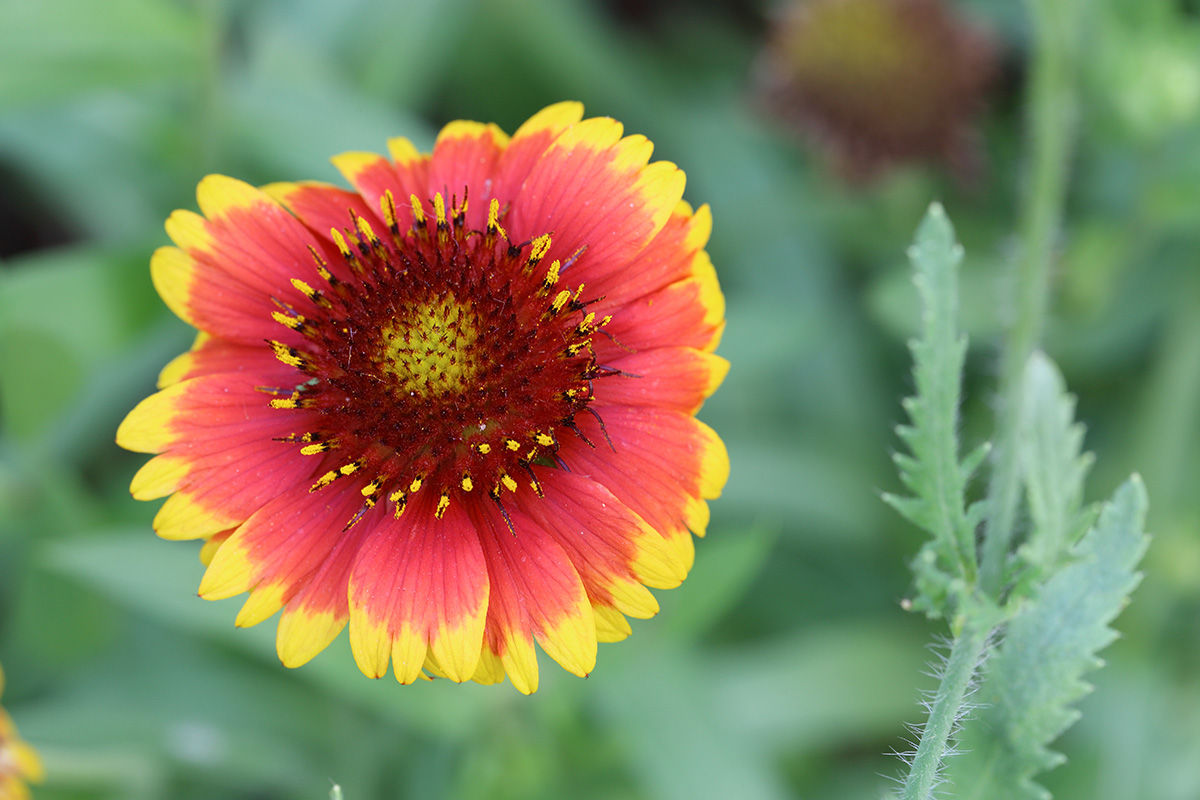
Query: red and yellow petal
{"x": 419, "y": 590}
{"x": 317, "y": 613}
{"x": 688, "y": 313}
{"x": 663, "y": 464}
{"x": 667, "y": 258}
{"x": 466, "y": 154}
{"x": 530, "y": 141}
{"x": 296, "y": 541}
{"x": 592, "y": 187}
{"x": 678, "y": 378}
{"x": 231, "y": 262}
{"x": 616, "y": 553}
{"x": 405, "y": 174}
{"x": 218, "y": 439}
{"x": 536, "y": 594}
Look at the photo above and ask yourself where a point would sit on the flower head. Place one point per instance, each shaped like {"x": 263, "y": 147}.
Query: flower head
{"x": 19, "y": 763}
{"x": 453, "y": 408}
{"x": 878, "y": 82}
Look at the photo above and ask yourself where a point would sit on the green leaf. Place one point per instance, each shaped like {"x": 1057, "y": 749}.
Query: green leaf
{"x": 1053, "y": 467}
{"x": 55, "y": 50}
{"x": 1051, "y": 643}
{"x": 933, "y": 472}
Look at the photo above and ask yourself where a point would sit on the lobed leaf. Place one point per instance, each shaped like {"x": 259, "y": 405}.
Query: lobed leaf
{"x": 1053, "y": 466}
{"x": 932, "y": 471}
{"x": 1038, "y": 670}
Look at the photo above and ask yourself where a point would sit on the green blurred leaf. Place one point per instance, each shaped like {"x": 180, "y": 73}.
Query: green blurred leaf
{"x": 53, "y": 50}
{"x": 933, "y": 472}
{"x": 725, "y": 565}
{"x": 1037, "y": 673}
{"x": 1053, "y": 466}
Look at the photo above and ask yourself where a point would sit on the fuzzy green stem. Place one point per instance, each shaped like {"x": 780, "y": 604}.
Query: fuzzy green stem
{"x": 1051, "y": 123}
{"x": 965, "y": 655}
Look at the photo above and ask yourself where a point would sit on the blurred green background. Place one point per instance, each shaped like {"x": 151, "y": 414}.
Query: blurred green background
{"x": 785, "y": 666}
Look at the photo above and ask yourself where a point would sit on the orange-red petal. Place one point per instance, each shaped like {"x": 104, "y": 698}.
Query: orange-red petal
{"x": 536, "y": 594}
{"x": 592, "y": 187}
{"x": 419, "y": 589}
{"x": 232, "y": 263}
{"x": 678, "y": 378}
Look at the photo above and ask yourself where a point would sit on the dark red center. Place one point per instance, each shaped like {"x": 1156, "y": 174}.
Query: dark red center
{"x": 449, "y": 359}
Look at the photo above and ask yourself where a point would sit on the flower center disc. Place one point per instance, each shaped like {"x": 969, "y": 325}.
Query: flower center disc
{"x": 429, "y": 348}
{"x": 444, "y": 357}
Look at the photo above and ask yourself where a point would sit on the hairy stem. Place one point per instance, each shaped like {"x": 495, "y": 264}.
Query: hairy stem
{"x": 965, "y": 655}
{"x": 1051, "y": 123}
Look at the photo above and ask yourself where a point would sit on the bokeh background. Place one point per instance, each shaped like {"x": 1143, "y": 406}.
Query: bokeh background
{"x": 785, "y": 666}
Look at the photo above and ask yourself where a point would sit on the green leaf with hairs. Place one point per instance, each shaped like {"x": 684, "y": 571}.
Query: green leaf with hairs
{"x": 1053, "y": 467}
{"x": 931, "y": 470}
{"x": 1037, "y": 672}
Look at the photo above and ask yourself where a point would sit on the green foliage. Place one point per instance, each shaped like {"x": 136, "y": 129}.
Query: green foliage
{"x": 1053, "y": 468}
{"x": 784, "y": 664}
{"x": 1036, "y": 675}
{"x": 933, "y": 472}
{"x": 1056, "y": 618}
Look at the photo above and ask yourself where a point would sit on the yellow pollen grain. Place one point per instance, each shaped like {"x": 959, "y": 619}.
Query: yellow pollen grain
{"x": 415, "y": 486}
{"x": 430, "y": 349}
{"x": 443, "y": 504}
{"x": 508, "y": 481}
{"x": 512, "y": 444}
{"x": 417, "y": 209}
{"x": 313, "y": 449}
{"x": 467, "y": 483}
{"x": 484, "y": 448}
{"x": 544, "y": 439}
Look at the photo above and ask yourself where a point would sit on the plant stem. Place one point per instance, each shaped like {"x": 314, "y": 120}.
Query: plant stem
{"x": 965, "y": 656}
{"x": 1051, "y": 123}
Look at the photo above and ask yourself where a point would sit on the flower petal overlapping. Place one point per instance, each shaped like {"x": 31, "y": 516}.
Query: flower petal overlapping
{"x": 453, "y": 408}
{"x": 19, "y": 763}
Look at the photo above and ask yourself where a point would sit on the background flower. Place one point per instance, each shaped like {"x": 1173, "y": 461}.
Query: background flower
{"x": 879, "y": 82}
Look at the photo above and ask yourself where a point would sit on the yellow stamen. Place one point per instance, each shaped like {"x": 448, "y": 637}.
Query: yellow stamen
{"x": 551, "y": 276}
{"x": 387, "y": 204}
{"x": 439, "y": 210}
{"x": 367, "y": 231}
{"x": 443, "y": 504}
{"x": 295, "y": 323}
{"x": 493, "y": 221}
{"x": 418, "y": 211}
{"x": 560, "y": 300}
{"x": 537, "y": 251}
